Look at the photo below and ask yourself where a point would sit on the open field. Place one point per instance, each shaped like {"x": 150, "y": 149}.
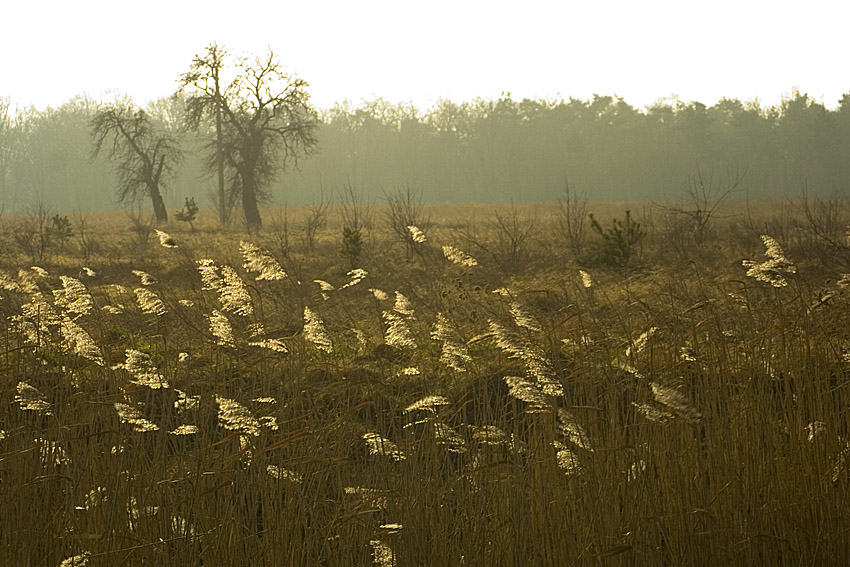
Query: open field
{"x": 499, "y": 386}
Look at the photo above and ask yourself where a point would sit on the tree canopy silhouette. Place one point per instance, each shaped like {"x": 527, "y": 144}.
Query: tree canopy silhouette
{"x": 266, "y": 121}
{"x": 144, "y": 154}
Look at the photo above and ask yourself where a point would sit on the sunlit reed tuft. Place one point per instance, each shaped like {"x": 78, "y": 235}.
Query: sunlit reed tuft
{"x": 149, "y": 302}
{"x": 132, "y": 416}
{"x": 30, "y": 398}
{"x": 314, "y": 331}
{"x": 257, "y": 260}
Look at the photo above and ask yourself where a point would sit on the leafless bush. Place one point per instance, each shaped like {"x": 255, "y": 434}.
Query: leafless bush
{"x": 141, "y": 225}
{"x": 89, "y": 246}
{"x": 571, "y": 218}
{"x": 316, "y": 220}
{"x": 40, "y": 230}
{"x": 689, "y": 222}
{"x": 826, "y": 224}
{"x": 280, "y": 231}
{"x": 508, "y": 240}
{"x": 404, "y": 209}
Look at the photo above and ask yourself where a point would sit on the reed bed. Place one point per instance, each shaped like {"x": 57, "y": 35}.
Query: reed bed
{"x": 216, "y": 398}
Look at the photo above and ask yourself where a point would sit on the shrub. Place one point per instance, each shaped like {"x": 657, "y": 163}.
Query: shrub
{"x": 189, "y": 212}
{"x": 617, "y": 245}
{"x": 352, "y": 244}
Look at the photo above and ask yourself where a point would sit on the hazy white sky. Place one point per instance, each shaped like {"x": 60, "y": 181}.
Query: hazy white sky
{"x": 52, "y": 50}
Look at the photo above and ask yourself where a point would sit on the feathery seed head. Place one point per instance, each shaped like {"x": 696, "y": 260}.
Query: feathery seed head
{"x": 75, "y": 339}
{"x": 144, "y": 277}
{"x": 165, "y": 240}
{"x": 528, "y": 392}
{"x": 449, "y": 438}
{"x": 428, "y": 403}
{"x": 523, "y": 318}
{"x": 572, "y": 431}
{"x": 141, "y": 368}
{"x": 356, "y": 275}
{"x": 675, "y": 401}
{"x": 260, "y": 261}
{"x": 234, "y": 416}
{"x": 379, "y": 295}
{"x": 149, "y": 302}
{"x": 133, "y": 416}
{"x": 458, "y": 256}
{"x": 221, "y": 329}
{"x": 489, "y": 435}
{"x": 232, "y": 293}
{"x": 453, "y": 353}
{"x": 283, "y": 474}
{"x": 567, "y": 459}
{"x": 74, "y": 297}
{"x": 382, "y": 446}
{"x": 314, "y": 331}
{"x": 210, "y": 278}
{"x": 382, "y": 553}
{"x": 276, "y": 345}
{"x": 777, "y": 264}
{"x": 398, "y": 334}
{"x": 416, "y": 234}
{"x": 81, "y": 560}
{"x": 184, "y": 430}
{"x": 31, "y": 399}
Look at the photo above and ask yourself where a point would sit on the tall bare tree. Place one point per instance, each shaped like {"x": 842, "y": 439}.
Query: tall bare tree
{"x": 266, "y": 121}
{"x": 144, "y": 154}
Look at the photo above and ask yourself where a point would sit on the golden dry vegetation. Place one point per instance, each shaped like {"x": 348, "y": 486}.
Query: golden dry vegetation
{"x": 489, "y": 388}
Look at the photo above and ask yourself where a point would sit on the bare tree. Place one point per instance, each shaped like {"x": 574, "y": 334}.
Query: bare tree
{"x": 266, "y": 121}
{"x": 404, "y": 209}
{"x": 144, "y": 154}
{"x": 701, "y": 197}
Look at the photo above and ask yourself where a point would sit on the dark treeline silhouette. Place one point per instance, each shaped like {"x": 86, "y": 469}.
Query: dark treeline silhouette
{"x": 485, "y": 150}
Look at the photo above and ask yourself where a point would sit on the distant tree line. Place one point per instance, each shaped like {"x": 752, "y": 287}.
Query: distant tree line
{"x": 484, "y": 150}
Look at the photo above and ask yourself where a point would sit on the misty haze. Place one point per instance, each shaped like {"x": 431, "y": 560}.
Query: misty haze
{"x": 239, "y": 329}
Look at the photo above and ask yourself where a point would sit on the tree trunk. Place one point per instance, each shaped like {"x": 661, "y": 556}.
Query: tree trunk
{"x": 249, "y": 200}
{"x": 159, "y": 210}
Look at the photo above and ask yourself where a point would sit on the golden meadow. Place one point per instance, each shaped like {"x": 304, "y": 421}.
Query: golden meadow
{"x": 466, "y": 385}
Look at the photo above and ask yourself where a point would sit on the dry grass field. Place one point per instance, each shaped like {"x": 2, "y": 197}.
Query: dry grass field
{"x": 499, "y": 385}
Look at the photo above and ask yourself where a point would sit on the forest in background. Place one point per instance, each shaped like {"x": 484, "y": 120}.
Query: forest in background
{"x": 484, "y": 150}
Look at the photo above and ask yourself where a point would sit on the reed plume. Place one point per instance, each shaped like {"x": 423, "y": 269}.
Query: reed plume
{"x": 75, "y": 339}
{"x": 149, "y": 302}
{"x": 132, "y": 416}
{"x": 235, "y": 417}
{"x": 232, "y": 295}
{"x": 210, "y": 278}
{"x": 144, "y": 277}
{"x": 81, "y": 560}
{"x": 165, "y": 239}
{"x": 773, "y": 269}
{"x": 221, "y": 329}
{"x": 30, "y": 398}
{"x": 260, "y": 261}
{"x": 458, "y": 256}
{"x": 416, "y": 234}
{"x": 382, "y": 446}
{"x": 453, "y": 351}
{"x": 142, "y": 370}
{"x": 355, "y": 277}
{"x": 314, "y": 331}
{"x": 74, "y": 297}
